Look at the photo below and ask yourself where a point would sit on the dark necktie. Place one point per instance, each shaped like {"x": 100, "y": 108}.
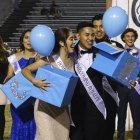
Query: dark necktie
{"x": 88, "y": 51}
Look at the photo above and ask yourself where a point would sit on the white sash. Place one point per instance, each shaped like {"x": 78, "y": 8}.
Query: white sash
{"x": 137, "y": 87}
{"x": 91, "y": 90}
{"x": 59, "y": 62}
{"x": 15, "y": 65}
{"x": 107, "y": 87}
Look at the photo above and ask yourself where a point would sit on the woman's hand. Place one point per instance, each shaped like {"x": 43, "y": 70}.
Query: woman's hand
{"x": 133, "y": 83}
{"x": 41, "y": 83}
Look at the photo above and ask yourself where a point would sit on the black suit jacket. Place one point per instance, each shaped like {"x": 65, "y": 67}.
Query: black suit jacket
{"x": 81, "y": 104}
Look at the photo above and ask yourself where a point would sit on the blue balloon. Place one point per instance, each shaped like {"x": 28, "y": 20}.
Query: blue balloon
{"x": 42, "y": 39}
{"x": 115, "y": 21}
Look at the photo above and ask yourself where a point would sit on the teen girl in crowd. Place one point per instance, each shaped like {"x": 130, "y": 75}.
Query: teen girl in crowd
{"x": 23, "y": 125}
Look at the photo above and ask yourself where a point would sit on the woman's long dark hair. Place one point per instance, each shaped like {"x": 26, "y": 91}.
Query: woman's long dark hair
{"x": 21, "y": 39}
{"x": 3, "y": 52}
{"x": 61, "y": 34}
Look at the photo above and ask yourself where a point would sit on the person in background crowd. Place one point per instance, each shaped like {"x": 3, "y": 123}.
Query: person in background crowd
{"x": 53, "y": 122}
{"x": 100, "y": 36}
{"x": 3, "y": 71}
{"x": 44, "y": 11}
{"x": 127, "y": 95}
{"x": 55, "y": 10}
{"x": 23, "y": 124}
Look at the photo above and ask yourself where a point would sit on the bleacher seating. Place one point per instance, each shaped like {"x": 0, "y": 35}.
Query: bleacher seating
{"x": 74, "y": 11}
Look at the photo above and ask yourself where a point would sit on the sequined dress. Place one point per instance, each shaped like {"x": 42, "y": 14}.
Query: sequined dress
{"x": 23, "y": 124}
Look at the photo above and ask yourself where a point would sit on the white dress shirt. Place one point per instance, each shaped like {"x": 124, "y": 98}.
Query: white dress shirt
{"x": 85, "y": 60}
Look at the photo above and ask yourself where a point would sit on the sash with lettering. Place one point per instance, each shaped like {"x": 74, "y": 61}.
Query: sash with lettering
{"x": 15, "y": 65}
{"x": 91, "y": 90}
{"x": 107, "y": 87}
{"x": 59, "y": 62}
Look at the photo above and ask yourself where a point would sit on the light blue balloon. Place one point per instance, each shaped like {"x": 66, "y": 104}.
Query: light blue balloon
{"x": 42, "y": 39}
{"x": 115, "y": 21}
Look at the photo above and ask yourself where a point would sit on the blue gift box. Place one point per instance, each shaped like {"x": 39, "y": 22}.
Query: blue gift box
{"x": 62, "y": 86}
{"x": 17, "y": 90}
{"x": 116, "y": 63}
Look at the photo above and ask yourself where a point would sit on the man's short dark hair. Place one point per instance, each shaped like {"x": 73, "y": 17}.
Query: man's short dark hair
{"x": 129, "y": 30}
{"x": 97, "y": 17}
{"x": 83, "y": 24}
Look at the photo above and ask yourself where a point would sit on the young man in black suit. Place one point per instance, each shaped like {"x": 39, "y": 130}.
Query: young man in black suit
{"x": 88, "y": 107}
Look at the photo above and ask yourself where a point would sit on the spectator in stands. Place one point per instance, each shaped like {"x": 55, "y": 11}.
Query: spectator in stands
{"x": 3, "y": 71}
{"x": 55, "y": 10}
{"x": 53, "y": 7}
{"x": 44, "y": 11}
